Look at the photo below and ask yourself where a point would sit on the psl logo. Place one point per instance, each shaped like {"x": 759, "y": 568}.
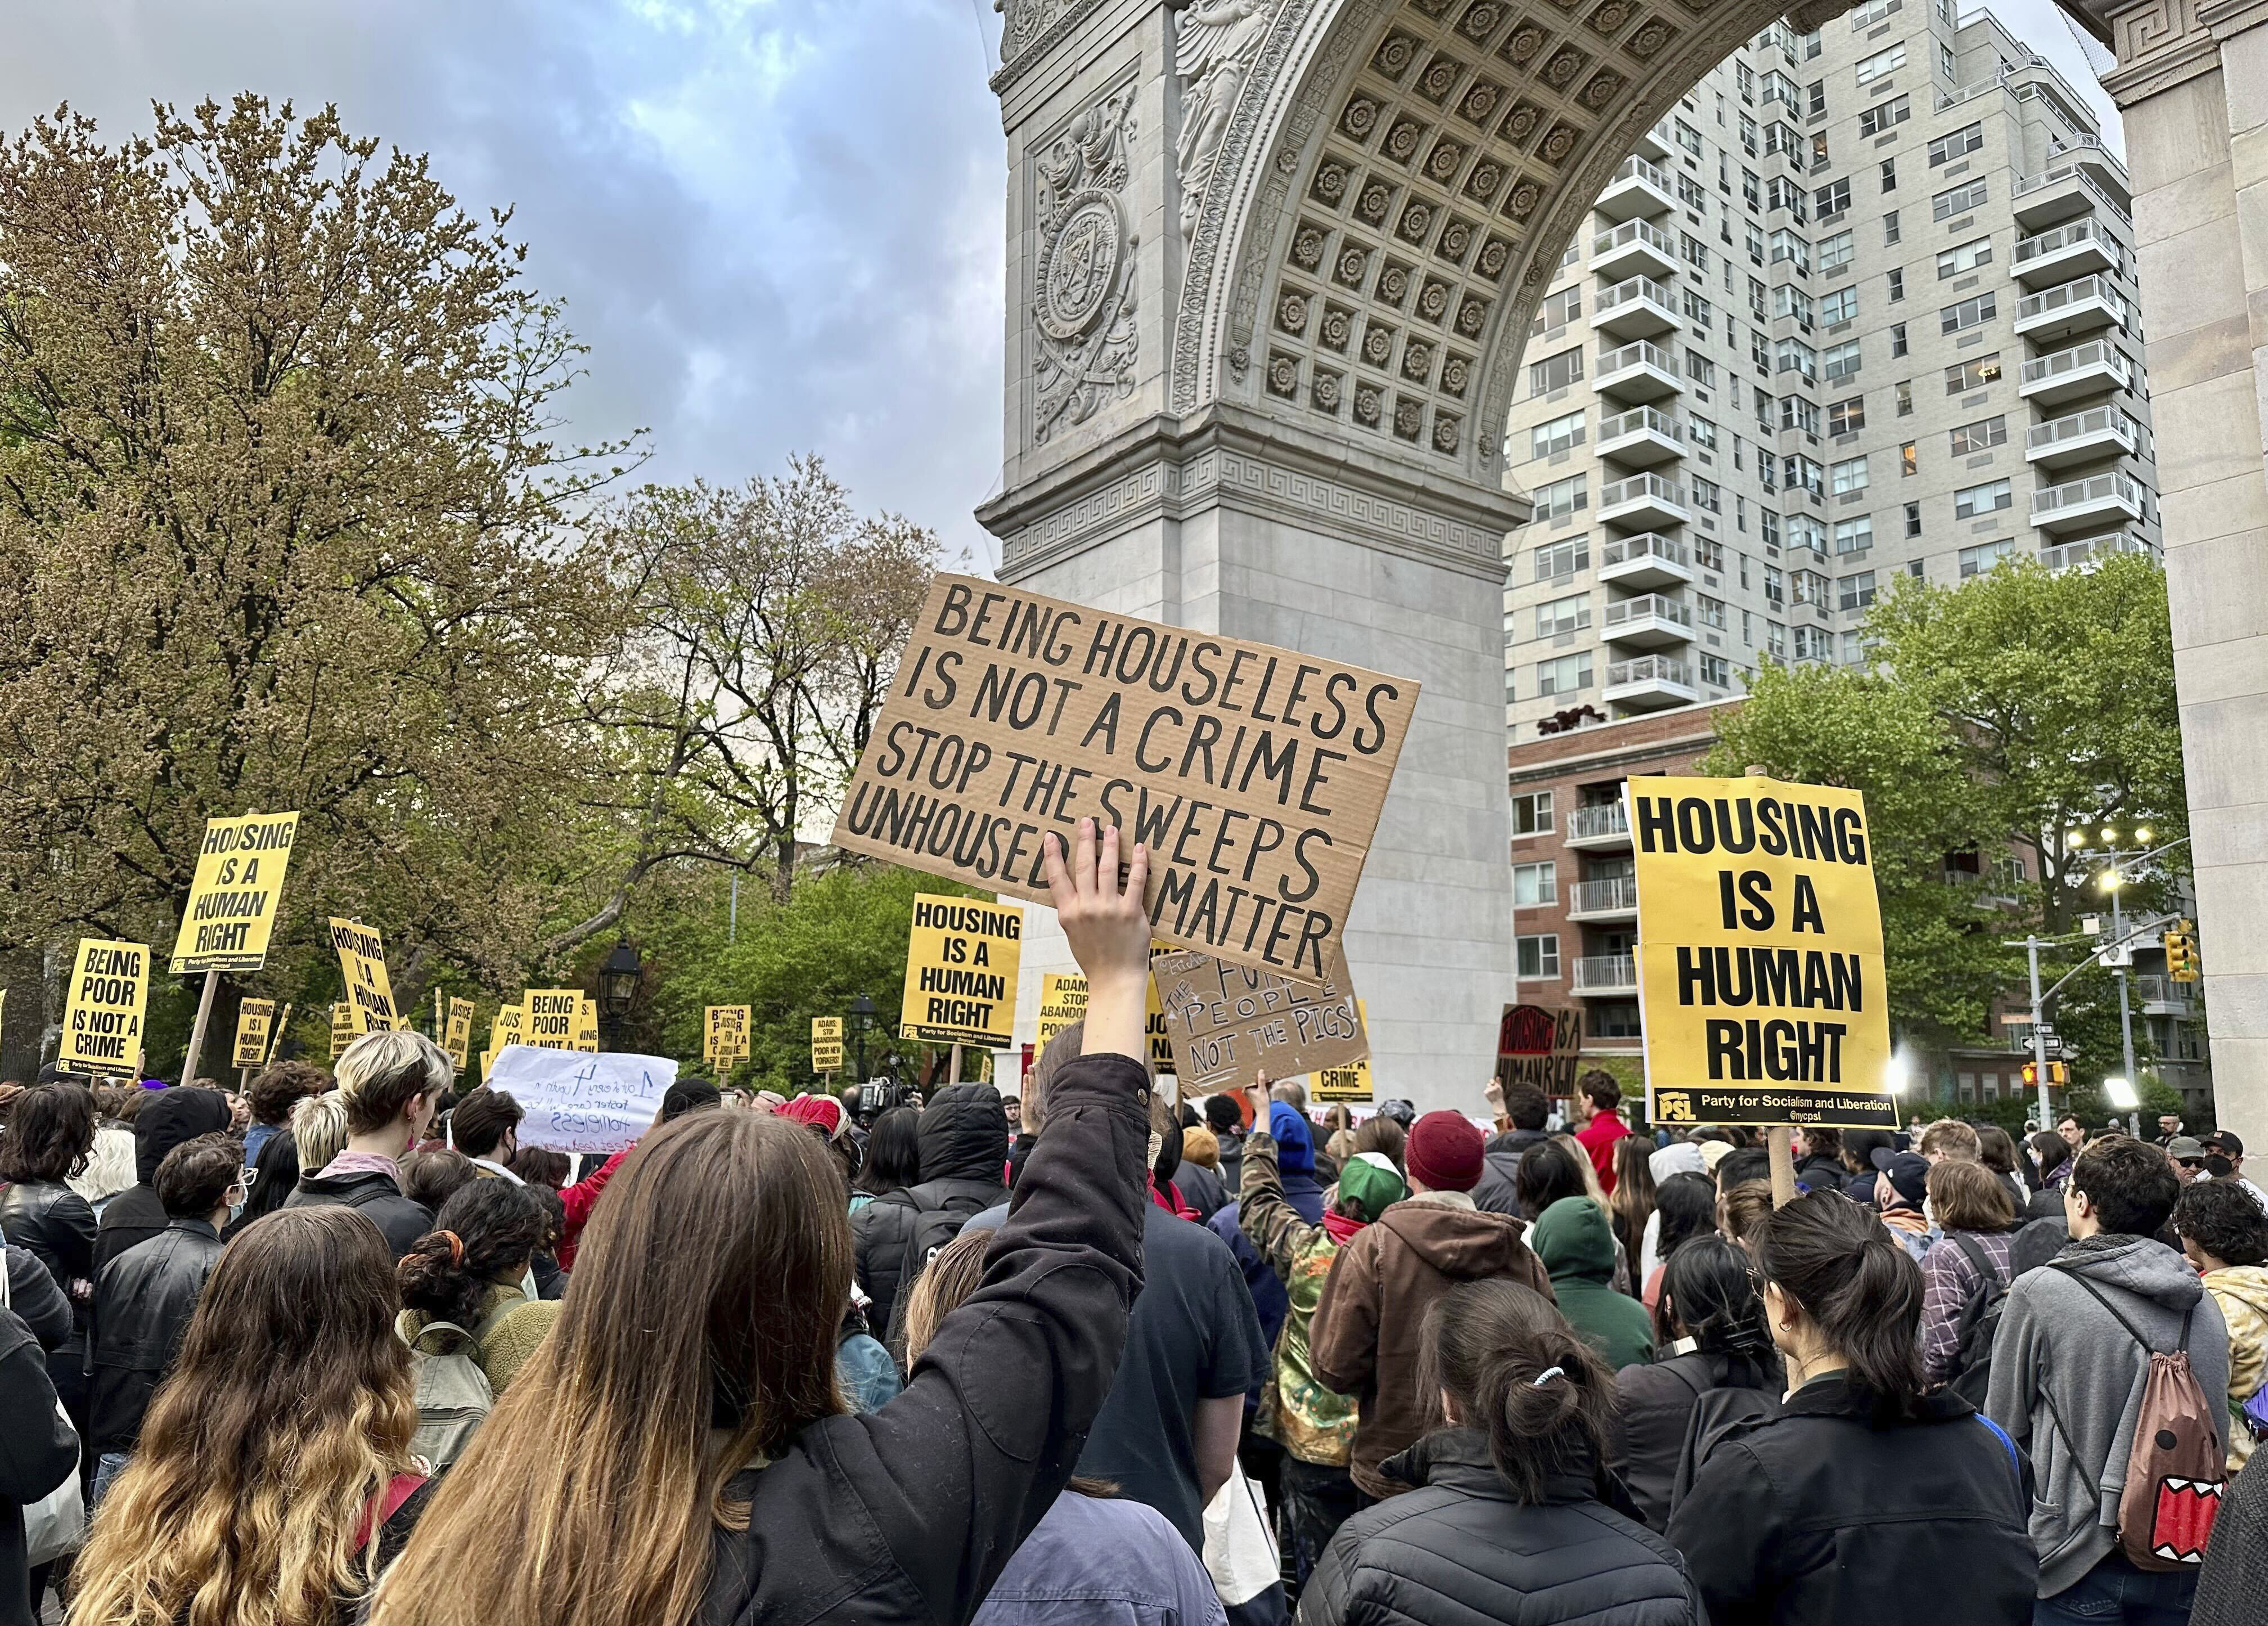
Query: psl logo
{"x": 1674, "y": 1106}
{"x": 2183, "y": 1517}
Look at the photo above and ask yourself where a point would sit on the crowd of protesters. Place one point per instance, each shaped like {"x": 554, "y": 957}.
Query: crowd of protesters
{"x": 310, "y": 1355}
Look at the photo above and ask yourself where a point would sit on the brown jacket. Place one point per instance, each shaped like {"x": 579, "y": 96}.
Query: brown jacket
{"x": 1364, "y": 1339}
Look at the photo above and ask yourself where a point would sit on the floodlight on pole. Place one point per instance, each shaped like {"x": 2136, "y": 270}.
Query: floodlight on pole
{"x": 2121, "y": 1093}
{"x": 1897, "y": 1072}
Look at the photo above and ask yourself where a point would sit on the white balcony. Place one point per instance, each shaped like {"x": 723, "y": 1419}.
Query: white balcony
{"x": 2070, "y": 310}
{"x": 1647, "y": 560}
{"x": 2061, "y": 192}
{"x": 2098, "y": 162}
{"x": 1603, "y": 900}
{"x": 2082, "y": 437}
{"x": 2106, "y": 500}
{"x": 1654, "y": 143}
{"x": 2081, "y": 248}
{"x": 1609, "y": 974}
{"x": 1639, "y": 372}
{"x": 2072, "y": 375}
{"x": 1604, "y": 828}
{"x": 1636, "y": 309}
{"x": 1641, "y": 437}
{"x": 1648, "y": 622}
{"x": 1638, "y": 189}
{"x": 1646, "y": 500}
{"x": 2162, "y": 996}
{"x": 1651, "y": 683}
{"x": 2088, "y": 552}
{"x": 1634, "y": 249}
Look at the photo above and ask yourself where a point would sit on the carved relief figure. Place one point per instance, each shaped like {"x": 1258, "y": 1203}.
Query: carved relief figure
{"x": 1082, "y": 292}
{"x": 1219, "y": 39}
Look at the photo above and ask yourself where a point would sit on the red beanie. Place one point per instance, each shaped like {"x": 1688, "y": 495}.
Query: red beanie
{"x": 1444, "y": 1152}
{"x": 821, "y": 1112}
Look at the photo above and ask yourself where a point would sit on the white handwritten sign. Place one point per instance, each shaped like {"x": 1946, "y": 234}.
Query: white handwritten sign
{"x": 577, "y": 1101}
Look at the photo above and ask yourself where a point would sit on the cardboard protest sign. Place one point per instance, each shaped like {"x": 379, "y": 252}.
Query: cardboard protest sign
{"x": 1347, "y": 1083}
{"x": 255, "y": 1026}
{"x": 826, "y": 1045}
{"x": 549, "y": 1021}
{"x": 1227, "y": 1024}
{"x": 723, "y": 1035}
{"x": 343, "y": 1029}
{"x": 1538, "y": 1045}
{"x": 1255, "y": 774}
{"x": 1063, "y": 1001}
{"x": 362, "y": 961}
{"x": 230, "y": 909}
{"x": 579, "y": 1103}
{"x": 1760, "y": 955}
{"x": 103, "y": 1009}
{"x": 961, "y": 972}
{"x": 587, "y": 1026}
{"x": 457, "y": 1032}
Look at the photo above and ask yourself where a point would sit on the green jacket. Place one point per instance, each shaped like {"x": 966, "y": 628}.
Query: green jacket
{"x": 1314, "y": 1424}
{"x": 1577, "y": 1247}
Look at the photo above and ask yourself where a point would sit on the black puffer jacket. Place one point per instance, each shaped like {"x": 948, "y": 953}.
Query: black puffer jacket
{"x": 964, "y": 1148}
{"x": 910, "y": 1513}
{"x": 142, "y": 1309}
{"x": 166, "y": 1120}
{"x": 1463, "y": 1549}
{"x": 1497, "y": 1191}
{"x": 1653, "y": 1410}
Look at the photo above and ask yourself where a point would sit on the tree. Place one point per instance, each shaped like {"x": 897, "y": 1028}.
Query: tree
{"x": 1994, "y": 719}
{"x": 281, "y": 525}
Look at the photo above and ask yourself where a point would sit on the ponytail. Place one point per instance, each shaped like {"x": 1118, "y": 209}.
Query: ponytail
{"x": 486, "y": 1232}
{"x": 1515, "y": 1370}
{"x": 1857, "y": 1285}
{"x": 1709, "y": 1294}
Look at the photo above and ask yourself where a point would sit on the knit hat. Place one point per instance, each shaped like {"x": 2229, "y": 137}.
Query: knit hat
{"x": 821, "y": 1112}
{"x": 1371, "y": 1183}
{"x": 1202, "y": 1147}
{"x": 1444, "y": 1151}
{"x": 1295, "y": 1145}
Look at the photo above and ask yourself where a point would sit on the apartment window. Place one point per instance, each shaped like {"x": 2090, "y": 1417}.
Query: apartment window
{"x": 1959, "y": 144}
{"x": 1787, "y": 245}
{"x": 1963, "y": 257}
{"x": 1749, "y": 134}
{"x": 1890, "y": 229}
{"x": 1709, "y": 554}
{"x": 1897, "y": 340}
{"x": 1561, "y": 435}
{"x": 1854, "y": 535}
{"x": 1889, "y": 167}
{"x": 1700, "y": 369}
{"x": 1944, "y": 61}
{"x": 1803, "y": 531}
{"x": 1854, "y": 648}
{"x": 1702, "y": 432}
{"x": 1851, "y": 593}
{"x": 1709, "y": 611}
{"x": 1797, "y": 413}
{"x": 1531, "y": 813}
{"x": 1511, "y": 684}
{"x": 1539, "y": 955}
{"x": 1745, "y": 79}
{"x": 1882, "y": 63}
{"x": 1814, "y": 643}
{"x": 1555, "y": 371}
{"x": 1756, "y": 242}
{"x": 1904, "y": 388}
{"x": 1776, "y": 640}
{"x": 1803, "y": 472}
{"x": 1981, "y": 436}
{"x": 1867, "y": 16}
{"x": 1792, "y": 303}
{"x": 1775, "y": 585}
{"x": 1811, "y": 588}
{"x": 1906, "y": 464}
{"x": 1914, "y": 567}
{"x": 1975, "y": 500}
{"x": 1756, "y": 302}
{"x": 1874, "y": 120}
{"x": 1833, "y": 198}
{"x": 1839, "y": 361}
{"x": 1696, "y": 251}
{"x": 1984, "y": 555}
{"x": 1534, "y": 885}
{"x": 1689, "y": 137}
{"x": 1768, "y": 527}
{"x": 1848, "y": 475}
{"x": 1794, "y": 356}
{"x": 1568, "y": 675}
{"x": 1697, "y": 310}
{"x": 1693, "y": 195}
{"x": 1557, "y": 310}
{"x": 1707, "y": 494}
{"x": 1914, "y": 522}
{"x": 1898, "y": 284}
{"x": 1562, "y": 559}
{"x": 1570, "y": 614}
{"x": 1560, "y": 499}
{"x": 1779, "y": 88}
{"x": 1782, "y": 193}
{"x": 1840, "y": 305}
{"x": 1973, "y": 373}
{"x": 1834, "y": 252}
{"x": 1957, "y": 199}
{"x": 1716, "y": 672}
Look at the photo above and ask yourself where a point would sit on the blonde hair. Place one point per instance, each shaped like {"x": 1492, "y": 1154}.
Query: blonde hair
{"x": 319, "y": 1130}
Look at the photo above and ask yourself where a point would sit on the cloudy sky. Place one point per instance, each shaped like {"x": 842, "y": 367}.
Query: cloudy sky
{"x": 777, "y": 223}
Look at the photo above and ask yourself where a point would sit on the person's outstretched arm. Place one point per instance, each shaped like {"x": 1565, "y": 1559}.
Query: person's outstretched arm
{"x": 960, "y": 1467}
{"x": 1271, "y": 1224}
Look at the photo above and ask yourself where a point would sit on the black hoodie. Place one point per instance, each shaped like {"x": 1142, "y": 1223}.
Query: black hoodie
{"x": 964, "y": 1150}
{"x": 174, "y": 1117}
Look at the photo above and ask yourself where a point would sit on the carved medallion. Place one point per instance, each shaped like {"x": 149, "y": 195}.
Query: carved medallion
{"x": 1078, "y": 266}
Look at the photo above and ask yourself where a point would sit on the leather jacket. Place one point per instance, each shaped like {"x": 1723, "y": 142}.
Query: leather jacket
{"x": 143, "y": 1306}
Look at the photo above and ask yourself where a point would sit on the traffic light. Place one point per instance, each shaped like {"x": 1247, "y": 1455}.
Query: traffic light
{"x": 2032, "y": 1075}
{"x": 2059, "y": 1075}
{"x": 2180, "y": 952}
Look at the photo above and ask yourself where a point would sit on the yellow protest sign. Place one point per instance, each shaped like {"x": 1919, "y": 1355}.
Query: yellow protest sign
{"x": 362, "y": 961}
{"x": 232, "y": 905}
{"x": 457, "y": 1031}
{"x": 342, "y": 1028}
{"x": 1063, "y": 1001}
{"x": 103, "y": 1009}
{"x": 826, "y": 1045}
{"x": 587, "y": 1026}
{"x": 1351, "y": 1082}
{"x": 505, "y": 1029}
{"x": 961, "y": 972}
{"x": 255, "y": 1027}
{"x": 724, "y": 1035}
{"x": 1760, "y": 955}
{"x": 276, "y": 1038}
{"x": 487, "y": 1056}
{"x": 550, "y": 1024}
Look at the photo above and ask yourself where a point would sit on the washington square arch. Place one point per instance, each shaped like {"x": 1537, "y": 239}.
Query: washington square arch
{"x": 1270, "y": 265}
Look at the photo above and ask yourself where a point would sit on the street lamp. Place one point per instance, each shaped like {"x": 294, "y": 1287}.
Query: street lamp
{"x": 618, "y": 981}
{"x": 861, "y": 1013}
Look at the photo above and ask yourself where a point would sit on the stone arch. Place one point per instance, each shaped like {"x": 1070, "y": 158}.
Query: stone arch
{"x": 1394, "y": 191}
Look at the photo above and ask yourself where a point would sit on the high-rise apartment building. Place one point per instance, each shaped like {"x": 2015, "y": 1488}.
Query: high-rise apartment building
{"x": 1863, "y": 306}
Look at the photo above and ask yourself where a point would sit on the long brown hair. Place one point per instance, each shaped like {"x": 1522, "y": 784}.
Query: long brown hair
{"x": 290, "y": 1409}
{"x": 708, "y": 1294}
{"x": 1630, "y": 1204}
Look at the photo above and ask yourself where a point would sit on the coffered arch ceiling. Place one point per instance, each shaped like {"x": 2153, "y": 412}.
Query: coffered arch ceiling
{"x": 1396, "y": 189}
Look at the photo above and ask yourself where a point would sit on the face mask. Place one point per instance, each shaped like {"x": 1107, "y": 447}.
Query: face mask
{"x": 527, "y": 1283}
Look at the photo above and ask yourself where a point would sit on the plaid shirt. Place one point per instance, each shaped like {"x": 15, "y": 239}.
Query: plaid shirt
{"x": 1948, "y": 1279}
